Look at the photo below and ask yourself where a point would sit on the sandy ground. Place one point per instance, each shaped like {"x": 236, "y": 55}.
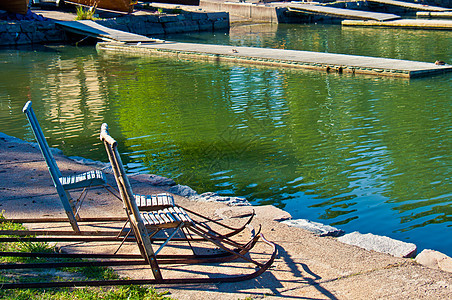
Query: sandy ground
{"x": 306, "y": 266}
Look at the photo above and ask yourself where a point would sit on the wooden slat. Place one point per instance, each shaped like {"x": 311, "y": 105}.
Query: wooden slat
{"x": 175, "y": 214}
{"x": 163, "y": 216}
{"x": 158, "y": 217}
{"x": 186, "y": 215}
{"x": 169, "y": 215}
{"x": 146, "y": 219}
{"x": 154, "y": 219}
{"x": 181, "y": 214}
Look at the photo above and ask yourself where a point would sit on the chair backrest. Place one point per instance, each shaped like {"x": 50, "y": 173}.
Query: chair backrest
{"x": 51, "y": 164}
{"x": 125, "y": 189}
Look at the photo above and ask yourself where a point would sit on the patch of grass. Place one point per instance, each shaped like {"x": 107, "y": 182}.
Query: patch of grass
{"x": 117, "y": 293}
{"x": 41, "y": 275}
{"x": 20, "y": 246}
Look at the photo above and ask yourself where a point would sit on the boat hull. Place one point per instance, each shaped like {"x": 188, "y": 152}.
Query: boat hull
{"x": 125, "y": 6}
{"x": 14, "y": 6}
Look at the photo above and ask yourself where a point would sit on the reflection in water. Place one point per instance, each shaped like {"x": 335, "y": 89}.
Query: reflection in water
{"x": 362, "y": 153}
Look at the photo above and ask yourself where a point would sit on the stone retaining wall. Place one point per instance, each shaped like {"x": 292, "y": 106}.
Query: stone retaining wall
{"x": 168, "y": 24}
{"x": 30, "y": 32}
{"x": 43, "y": 32}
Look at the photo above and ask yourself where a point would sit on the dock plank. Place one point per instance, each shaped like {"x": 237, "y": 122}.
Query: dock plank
{"x": 411, "y": 6}
{"x": 404, "y": 23}
{"x": 283, "y": 58}
{"x": 92, "y": 29}
{"x": 434, "y": 15}
{"x": 342, "y": 12}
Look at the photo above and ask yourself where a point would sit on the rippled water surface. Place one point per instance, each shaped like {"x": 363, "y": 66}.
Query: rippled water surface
{"x": 361, "y": 153}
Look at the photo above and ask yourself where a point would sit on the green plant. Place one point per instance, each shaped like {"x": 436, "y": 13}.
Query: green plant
{"x": 86, "y": 13}
{"x": 160, "y": 10}
{"x": 20, "y": 246}
{"x": 118, "y": 293}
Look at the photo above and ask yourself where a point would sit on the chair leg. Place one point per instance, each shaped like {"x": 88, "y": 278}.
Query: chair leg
{"x": 123, "y": 241}
{"x": 188, "y": 240}
{"x": 110, "y": 189}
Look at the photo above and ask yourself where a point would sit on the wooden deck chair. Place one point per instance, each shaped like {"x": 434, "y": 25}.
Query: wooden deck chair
{"x": 145, "y": 224}
{"x": 64, "y": 184}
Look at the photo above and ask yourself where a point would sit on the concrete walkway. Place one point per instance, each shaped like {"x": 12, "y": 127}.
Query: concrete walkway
{"x": 307, "y": 266}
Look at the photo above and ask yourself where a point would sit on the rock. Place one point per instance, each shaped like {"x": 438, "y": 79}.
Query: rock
{"x": 381, "y": 244}
{"x": 216, "y": 16}
{"x": 314, "y": 227}
{"x": 54, "y": 151}
{"x": 180, "y": 26}
{"x": 10, "y": 139}
{"x": 89, "y": 162}
{"x": 183, "y": 190}
{"x": 168, "y": 18}
{"x": 435, "y": 260}
{"x": 214, "y": 197}
{"x": 205, "y": 25}
{"x": 154, "y": 179}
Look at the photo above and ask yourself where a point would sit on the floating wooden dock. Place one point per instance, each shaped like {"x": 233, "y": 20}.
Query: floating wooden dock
{"x": 341, "y": 12}
{"x": 282, "y": 58}
{"x": 404, "y": 23}
{"x": 92, "y": 29}
{"x": 410, "y": 6}
{"x": 434, "y": 15}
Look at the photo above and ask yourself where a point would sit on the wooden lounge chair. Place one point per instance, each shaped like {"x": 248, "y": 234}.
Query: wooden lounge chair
{"x": 145, "y": 223}
{"x": 64, "y": 184}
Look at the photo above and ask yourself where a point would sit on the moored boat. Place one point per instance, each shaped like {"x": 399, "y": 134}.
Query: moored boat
{"x": 14, "y": 6}
{"x": 115, "y": 5}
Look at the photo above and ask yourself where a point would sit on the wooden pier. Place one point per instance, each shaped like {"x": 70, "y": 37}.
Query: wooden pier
{"x": 403, "y": 23}
{"x": 92, "y": 29}
{"x": 329, "y": 62}
{"x": 342, "y": 13}
{"x": 410, "y": 6}
{"x": 434, "y": 15}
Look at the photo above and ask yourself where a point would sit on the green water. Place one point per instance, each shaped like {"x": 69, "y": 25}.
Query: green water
{"x": 361, "y": 153}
